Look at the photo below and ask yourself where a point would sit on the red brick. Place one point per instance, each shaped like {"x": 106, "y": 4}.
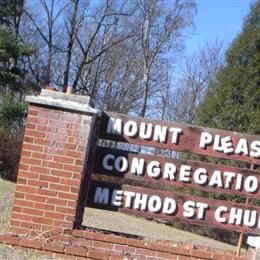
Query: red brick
{"x": 56, "y": 201}
{"x": 97, "y": 254}
{"x": 42, "y": 220}
{"x": 49, "y": 178}
{"x": 33, "y": 197}
{"x": 31, "y": 161}
{"x": 115, "y": 239}
{"x": 19, "y": 195}
{"x": 124, "y": 248}
{"x": 63, "y": 159}
{"x": 37, "y": 169}
{"x": 62, "y": 223}
{"x": 158, "y": 247}
{"x": 34, "y": 133}
{"x": 54, "y": 247}
{"x": 145, "y": 252}
{"x": 199, "y": 253}
{"x": 9, "y": 239}
{"x": 71, "y": 204}
{"x": 49, "y": 114}
{"x": 36, "y": 155}
{"x": 33, "y": 147}
{"x": 77, "y": 175}
{"x": 65, "y": 131}
{"x": 81, "y": 148}
{"x": 31, "y": 243}
{"x": 36, "y": 120}
{"x": 23, "y": 203}
{"x": 73, "y": 140}
{"x": 19, "y": 231}
{"x": 54, "y": 215}
{"x": 82, "y": 241}
{"x": 26, "y": 189}
{"x": 98, "y": 236}
{"x": 28, "y": 140}
{"x": 135, "y": 242}
{"x": 79, "y": 162}
{"x": 72, "y": 168}
{"x": 118, "y": 257}
{"x": 57, "y": 123}
{"x": 182, "y": 257}
{"x": 59, "y": 187}
{"x": 23, "y": 167}
{"x": 61, "y": 173}
{"x": 221, "y": 257}
{"x": 21, "y": 217}
{"x": 44, "y": 206}
{"x": 28, "y": 175}
{"x": 76, "y": 251}
{"x": 37, "y": 183}
{"x": 71, "y": 118}
{"x": 21, "y": 180}
{"x": 69, "y": 146}
{"x": 17, "y": 209}
{"x": 75, "y": 189}
{"x": 70, "y": 218}
{"x": 50, "y": 164}
{"x": 47, "y": 192}
{"x": 65, "y": 210}
{"x": 29, "y": 225}
{"x": 79, "y": 233}
{"x": 165, "y": 255}
{"x": 25, "y": 153}
{"x": 33, "y": 112}
{"x": 179, "y": 251}
{"x": 104, "y": 245}
{"x": 68, "y": 196}
{"x": 45, "y": 142}
{"x": 15, "y": 223}
{"x": 30, "y": 126}
{"x": 75, "y": 154}
{"x": 70, "y": 182}
{"x": 46, "y": 129}
{"x": 31, "y": 211}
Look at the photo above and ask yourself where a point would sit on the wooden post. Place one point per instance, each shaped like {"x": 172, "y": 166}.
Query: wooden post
{"x": 241, "y": 236}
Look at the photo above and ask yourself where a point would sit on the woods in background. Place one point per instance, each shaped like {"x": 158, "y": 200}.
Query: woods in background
{"x": 129, "y": 57}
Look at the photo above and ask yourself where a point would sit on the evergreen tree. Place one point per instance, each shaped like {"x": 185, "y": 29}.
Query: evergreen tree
{"x": 233, "y": 101}
{"x": 12, "y": 50}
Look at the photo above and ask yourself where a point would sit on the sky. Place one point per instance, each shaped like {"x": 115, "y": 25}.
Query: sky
{"x": 220, "y": 19}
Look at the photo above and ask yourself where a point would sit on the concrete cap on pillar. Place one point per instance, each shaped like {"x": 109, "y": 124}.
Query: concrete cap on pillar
{"x": 63, "y": 100}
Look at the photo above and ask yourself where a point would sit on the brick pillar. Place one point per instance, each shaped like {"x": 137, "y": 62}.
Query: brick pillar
{"x": 55, "y": 148}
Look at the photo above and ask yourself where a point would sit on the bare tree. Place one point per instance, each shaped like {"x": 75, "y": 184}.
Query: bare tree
{"x": 47, "y": 26}
{"x": 103, "y": 35}
{"x": 72, "y": 29}
{"x": 197, "y": 74}
{"x": 161, "y": 27}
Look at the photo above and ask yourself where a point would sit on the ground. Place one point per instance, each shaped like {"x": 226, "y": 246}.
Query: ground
{"x": 107, "y": 220}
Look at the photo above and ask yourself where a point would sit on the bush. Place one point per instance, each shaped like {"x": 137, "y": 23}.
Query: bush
{"x": 11, "y": 115}
{"x": 10, "y": 149}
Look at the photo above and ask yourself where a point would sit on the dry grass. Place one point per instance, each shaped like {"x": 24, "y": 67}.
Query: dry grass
{"x": 7, "y": 190}
{"x": 119, "y": 222}
{"x": 113, "y": 221}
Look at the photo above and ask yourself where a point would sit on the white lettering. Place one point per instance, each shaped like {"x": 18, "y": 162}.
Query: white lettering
{"x": 101, "y": 195}
{"x": 219, "y": 214}
{"x": 205, "y": 140}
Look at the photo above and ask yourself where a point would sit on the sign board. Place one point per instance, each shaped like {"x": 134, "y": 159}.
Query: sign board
{"x": 151, "y": 169}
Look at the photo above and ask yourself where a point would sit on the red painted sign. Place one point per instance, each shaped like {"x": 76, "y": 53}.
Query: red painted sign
{"x": 151, "y": 170}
